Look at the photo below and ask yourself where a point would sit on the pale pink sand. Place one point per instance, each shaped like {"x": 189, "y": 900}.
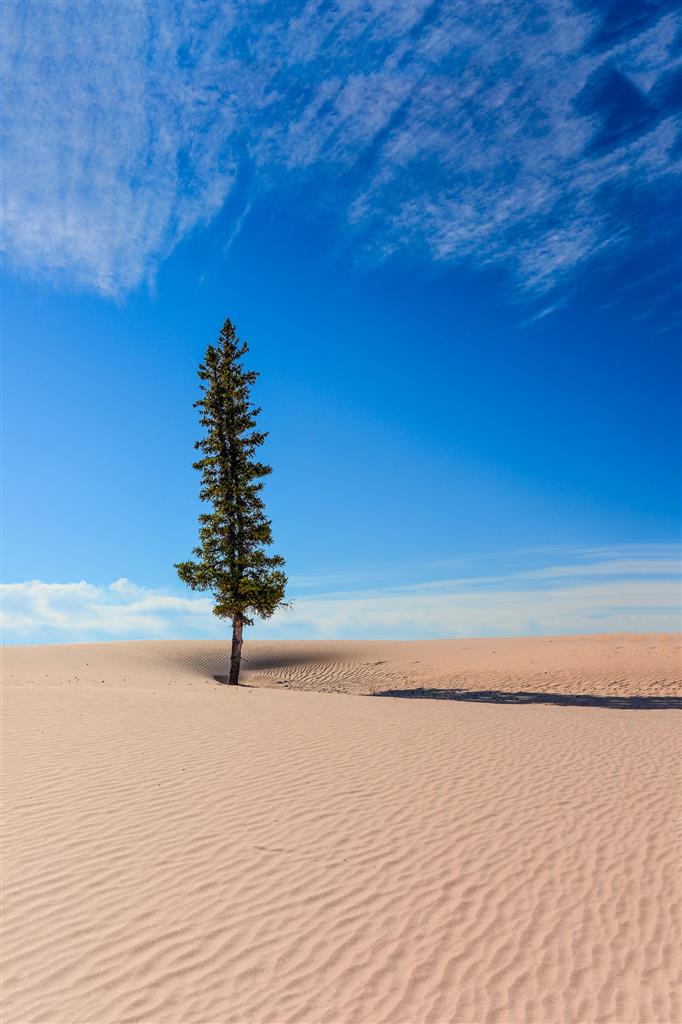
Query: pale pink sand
{"x": 620, "y": 664}
{"x": 179, "y": 851}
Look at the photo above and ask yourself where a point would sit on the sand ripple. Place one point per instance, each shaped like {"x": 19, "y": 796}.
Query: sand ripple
{"x": 177, "y": 851}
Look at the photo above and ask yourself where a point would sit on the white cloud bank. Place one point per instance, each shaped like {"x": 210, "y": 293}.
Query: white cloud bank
{"x": 487, "y": 131}
{"x": 638, "y": 594}
{"x": 85, "y": 611}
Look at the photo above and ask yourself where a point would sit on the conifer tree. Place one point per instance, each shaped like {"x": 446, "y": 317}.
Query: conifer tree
{"x": 231, "y": 559}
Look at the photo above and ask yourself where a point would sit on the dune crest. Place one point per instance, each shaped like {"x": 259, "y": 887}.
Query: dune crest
{"x": 614, "y": 665}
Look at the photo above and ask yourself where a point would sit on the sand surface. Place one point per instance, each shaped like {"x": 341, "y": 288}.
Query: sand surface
{"x": 179, "y": 851}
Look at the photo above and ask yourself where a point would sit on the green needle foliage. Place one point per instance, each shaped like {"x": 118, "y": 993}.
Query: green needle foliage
{"x": 231, "y": 559}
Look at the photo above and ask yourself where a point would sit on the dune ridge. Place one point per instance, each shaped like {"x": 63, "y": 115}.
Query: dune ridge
{"x": 179, "y": 851}
{"x": 618, "y": 664}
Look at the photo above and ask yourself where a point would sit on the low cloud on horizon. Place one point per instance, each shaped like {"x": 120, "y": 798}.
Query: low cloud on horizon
{"x": 613, "y": 593}
{"x": 528, "y": 135}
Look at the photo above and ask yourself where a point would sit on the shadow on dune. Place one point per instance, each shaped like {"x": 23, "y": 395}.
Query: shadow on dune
{"x": 281, "y": 658}
{"x": 210, "y": 662}
{"x": 584, "y": 700}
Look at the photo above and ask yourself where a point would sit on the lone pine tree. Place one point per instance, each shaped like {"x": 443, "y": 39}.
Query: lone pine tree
{"x": 231, "y": 559}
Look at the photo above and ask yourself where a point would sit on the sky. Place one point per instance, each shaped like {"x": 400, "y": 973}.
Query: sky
{"x": 449, "y": 233}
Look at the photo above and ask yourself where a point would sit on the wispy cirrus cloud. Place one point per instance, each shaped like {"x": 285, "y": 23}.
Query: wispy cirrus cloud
{"x": 640, "y": 593}
{"x": 523, "y": 134}
{"x": 112, "y": 151}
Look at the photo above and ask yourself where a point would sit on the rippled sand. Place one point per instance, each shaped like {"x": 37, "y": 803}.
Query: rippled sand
{"x": 179, "y": 851}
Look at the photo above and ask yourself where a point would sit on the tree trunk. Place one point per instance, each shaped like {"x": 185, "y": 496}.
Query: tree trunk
{"x": 236, "y": 659}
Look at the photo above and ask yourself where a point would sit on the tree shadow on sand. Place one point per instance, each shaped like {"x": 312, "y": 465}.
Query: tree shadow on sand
{"x": 579, "y": 700}
{"x": 214, "y": 663}
{"x": 282, "y": 658}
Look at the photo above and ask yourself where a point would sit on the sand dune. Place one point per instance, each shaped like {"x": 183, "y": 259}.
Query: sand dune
{"x": 179, "y": 851}
{"x": 621, "y": 664}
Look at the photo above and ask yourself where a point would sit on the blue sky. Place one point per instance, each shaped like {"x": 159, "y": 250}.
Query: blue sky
{"x": 449, "y": 233}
